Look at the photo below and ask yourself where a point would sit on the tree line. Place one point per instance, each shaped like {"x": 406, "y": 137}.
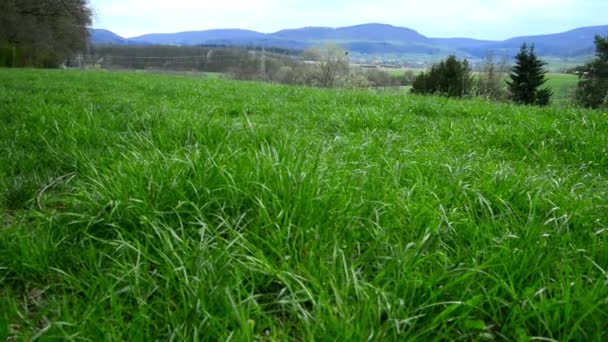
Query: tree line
{"x": 454, "y": 78}
{"x": 322, "y": 66}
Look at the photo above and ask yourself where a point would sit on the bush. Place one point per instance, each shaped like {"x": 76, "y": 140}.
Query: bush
{"x": 355, "y": 80}
{"x": 451, "y": 78}
{"x": 284, "y": 75}
{"x": 378, "y": 78}
{"x": 408, "y": 78}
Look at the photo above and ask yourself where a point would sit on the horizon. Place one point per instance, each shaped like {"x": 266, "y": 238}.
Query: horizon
{"x": 338, "y": 27}
{"x": 499, "y": 20}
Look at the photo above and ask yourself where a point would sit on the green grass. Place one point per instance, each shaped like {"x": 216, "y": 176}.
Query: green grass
{"x": 563, "y": 86}
{"x": 559, "y": 64}
{"x": 157, "y": 207}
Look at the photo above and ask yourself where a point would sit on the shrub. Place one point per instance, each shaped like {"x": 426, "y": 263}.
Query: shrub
{"x": 451, "y": 78}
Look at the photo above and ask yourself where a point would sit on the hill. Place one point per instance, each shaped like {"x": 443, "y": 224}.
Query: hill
{"x": 366, "y": 39}
{"x": 101, "y": 37}
{"x": 199, "y": 37}
{"x": 366, "y": 32}
{"x": 374, "y": 39}
{"x": 570, "y": 43}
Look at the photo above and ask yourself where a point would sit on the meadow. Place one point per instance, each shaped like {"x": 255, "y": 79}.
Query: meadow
{"x": 158, "y": 207}
{"x": 563, "y": 86}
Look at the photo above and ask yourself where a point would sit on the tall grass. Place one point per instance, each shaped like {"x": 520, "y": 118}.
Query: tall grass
{"x": 157, "y": 207}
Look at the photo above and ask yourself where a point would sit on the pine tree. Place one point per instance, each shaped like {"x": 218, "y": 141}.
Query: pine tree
{"x": 592, "y": 89}
{"x": 527, "y": 76}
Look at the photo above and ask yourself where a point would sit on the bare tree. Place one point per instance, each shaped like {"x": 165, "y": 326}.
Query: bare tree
{"x": 490, "y": 83}
{"x": 331, "y": 63}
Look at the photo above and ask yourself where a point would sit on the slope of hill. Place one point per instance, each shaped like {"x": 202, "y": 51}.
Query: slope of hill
{"x": 101, "y": 36}
{"x": 198, "y": 37}
{"x": 365, "y": 32}
{"x": 570, "y": 43}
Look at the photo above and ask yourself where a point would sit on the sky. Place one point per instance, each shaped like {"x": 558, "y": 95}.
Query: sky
{"x": 481, "y": 19}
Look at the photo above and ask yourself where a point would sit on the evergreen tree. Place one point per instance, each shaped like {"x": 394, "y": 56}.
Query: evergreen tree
{"x": 527, "y": 76}
{"x": 592, "y": 88}
{"x": 451, "y": 78}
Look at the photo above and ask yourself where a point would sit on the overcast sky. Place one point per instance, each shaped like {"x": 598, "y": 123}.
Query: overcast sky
{"x": 483, "y": 19}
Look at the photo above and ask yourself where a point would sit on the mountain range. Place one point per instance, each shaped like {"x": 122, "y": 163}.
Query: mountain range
{"x": 369, "y": 39}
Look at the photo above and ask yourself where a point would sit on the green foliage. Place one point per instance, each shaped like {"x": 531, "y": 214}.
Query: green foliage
{"x": 379, "y": 78}
{"x": 526, "y": 77}
{"x": 592, "y": 89}
{"x": 354, "y": 80}
{"x": 153, "y": 207}
{"x": 45, "y": 32}
{"x": 383, "y": 78}
{"x": 8, "y": 54}
{"x": 543, "y": 96}
{"x": 451, "y": 78}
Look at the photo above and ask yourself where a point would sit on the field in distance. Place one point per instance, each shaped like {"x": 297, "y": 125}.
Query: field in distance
{"x": 154, "y": 207}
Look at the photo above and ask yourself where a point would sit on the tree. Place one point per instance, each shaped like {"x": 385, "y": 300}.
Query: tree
{"x": 43, "y": 32}
{"x": 331, "y": 63}
{"x": 451, "y": 78}
{"x": 592, "y": 88}
{"x": 408, "y": 78}
{"x": 489, "y": 83}
{"x": 379, "y": 78}
{"x": 527, "y": 76}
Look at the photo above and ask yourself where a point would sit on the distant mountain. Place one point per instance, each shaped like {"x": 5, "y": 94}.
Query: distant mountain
{"x": 575, "y": 42}
{"x": 100, "y": 36}
{"x": 371, "y": 39}
{"x": 365, "y": 32}
{"x": 366, "y": 38}
{"x": 197, "y": 37}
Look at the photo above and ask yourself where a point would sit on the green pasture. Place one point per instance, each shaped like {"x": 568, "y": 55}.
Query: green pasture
{"x": 159, "y": 207}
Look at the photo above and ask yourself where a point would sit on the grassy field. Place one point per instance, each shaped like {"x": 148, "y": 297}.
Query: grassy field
{"x": 563, "y": 86}
{"x": 157, "y": 207}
